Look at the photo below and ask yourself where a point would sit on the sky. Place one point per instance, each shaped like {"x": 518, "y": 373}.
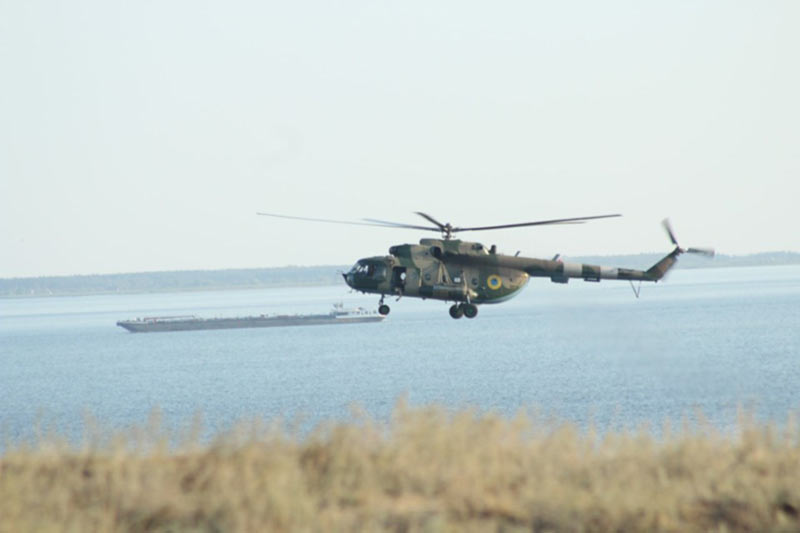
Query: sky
{"x": 143, "y": 136}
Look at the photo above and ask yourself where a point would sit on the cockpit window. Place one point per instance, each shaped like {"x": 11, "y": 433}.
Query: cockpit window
{"x": 370, "y": 270}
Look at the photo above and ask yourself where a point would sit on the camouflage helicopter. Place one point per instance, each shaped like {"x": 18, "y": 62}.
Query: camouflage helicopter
{"x": 469, "y": 274}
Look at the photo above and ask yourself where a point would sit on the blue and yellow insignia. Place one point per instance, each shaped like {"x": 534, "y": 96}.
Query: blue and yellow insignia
{"x": 494, "y": 282}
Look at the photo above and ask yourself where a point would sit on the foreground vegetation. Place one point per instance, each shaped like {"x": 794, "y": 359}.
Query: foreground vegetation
{"x": 426, "y": 470}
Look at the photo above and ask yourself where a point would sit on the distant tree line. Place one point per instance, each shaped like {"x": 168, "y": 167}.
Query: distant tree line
{"x": 251, "y": 278}
{"x": 181, "y": 280}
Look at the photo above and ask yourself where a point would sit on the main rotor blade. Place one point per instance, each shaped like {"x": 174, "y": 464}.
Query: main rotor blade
{"x": 668, "y": 228}
{"x": 327, "y": 220}
{"x": 386, "y": 223}
{"x": 578, "y": 220}
{"x": 432, "y": 220}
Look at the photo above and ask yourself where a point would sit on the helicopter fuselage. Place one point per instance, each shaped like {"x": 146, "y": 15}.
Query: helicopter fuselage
{"x": 449, "y": 270}
{"x": 461, "y": 271}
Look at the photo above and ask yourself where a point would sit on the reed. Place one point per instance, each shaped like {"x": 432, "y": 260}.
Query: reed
{"x": 427, "y": 469}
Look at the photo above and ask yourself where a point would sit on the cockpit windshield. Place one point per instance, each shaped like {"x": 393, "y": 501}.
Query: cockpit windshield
{"x": 369, "y": 269}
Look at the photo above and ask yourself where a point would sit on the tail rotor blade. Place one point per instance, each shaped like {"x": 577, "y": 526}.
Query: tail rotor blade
{"x": 708, "y": 252}
{"x": 668, "y": 228}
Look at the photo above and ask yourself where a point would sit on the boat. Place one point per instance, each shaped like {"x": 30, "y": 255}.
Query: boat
{"x": 339, "y": 315}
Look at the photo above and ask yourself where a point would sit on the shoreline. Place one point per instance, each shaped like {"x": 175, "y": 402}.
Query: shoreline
{"x": 322, "y": 276}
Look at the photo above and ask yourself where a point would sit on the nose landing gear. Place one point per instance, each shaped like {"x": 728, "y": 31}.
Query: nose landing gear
{"x": 467, "y": 310}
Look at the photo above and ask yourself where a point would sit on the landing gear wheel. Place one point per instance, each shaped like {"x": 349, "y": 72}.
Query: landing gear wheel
{"x": 470, "y": 310}
{"x": 383, "y": 309}
{"x": 456, "y": 311}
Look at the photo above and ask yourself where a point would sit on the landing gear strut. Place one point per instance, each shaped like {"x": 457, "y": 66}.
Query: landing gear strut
{"x": 468, "y": 310}
{"x": 382, "y": 307}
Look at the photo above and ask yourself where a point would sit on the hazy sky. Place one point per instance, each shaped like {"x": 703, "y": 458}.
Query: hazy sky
{"x": 144, "y": 135}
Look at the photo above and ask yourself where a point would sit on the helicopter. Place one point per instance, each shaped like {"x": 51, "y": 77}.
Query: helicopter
{"x": 470, "y": 274}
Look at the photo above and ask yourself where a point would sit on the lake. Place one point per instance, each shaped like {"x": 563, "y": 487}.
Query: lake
{"x": 707, "y": 340}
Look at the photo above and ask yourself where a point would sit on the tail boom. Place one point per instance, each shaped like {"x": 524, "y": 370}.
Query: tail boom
{"x": 561, "y": 272}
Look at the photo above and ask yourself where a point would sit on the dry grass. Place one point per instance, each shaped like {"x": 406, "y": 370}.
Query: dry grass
{"x": 427, "y": 470}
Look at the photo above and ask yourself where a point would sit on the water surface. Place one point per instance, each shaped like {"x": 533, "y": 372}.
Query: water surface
{"x": 711, "y": 340}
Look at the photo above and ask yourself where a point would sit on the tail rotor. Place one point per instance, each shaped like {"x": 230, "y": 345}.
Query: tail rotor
{"x": 708, "y": 252}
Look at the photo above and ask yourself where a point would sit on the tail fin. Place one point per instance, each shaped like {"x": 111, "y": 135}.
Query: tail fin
{"x": 657, "y": 271}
